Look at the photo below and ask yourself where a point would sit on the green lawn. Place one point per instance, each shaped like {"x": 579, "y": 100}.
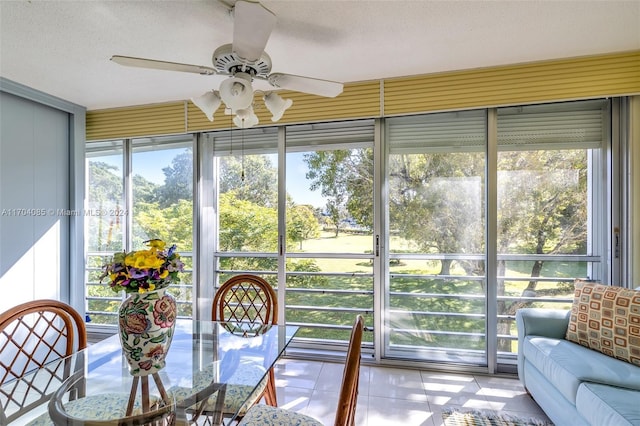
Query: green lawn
{"x": 349, "y": 243}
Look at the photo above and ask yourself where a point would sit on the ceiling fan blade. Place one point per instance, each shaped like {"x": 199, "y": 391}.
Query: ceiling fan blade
{"x": 161, "y": 65}
{"x": 252, "y": 27}
{"x": 313, "y": 86}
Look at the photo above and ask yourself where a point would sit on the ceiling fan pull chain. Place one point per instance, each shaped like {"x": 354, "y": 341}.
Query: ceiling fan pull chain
{"x": 242, "y": 150}
{"x": 231, "y": 134}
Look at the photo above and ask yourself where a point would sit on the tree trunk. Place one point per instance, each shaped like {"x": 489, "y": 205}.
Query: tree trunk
{"x": 445, "y": 268}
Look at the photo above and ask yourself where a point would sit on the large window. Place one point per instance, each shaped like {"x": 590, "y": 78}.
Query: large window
{"x": 104, "y": 224}
{"x": 137, "y": 190}
{"x": 436, "y": 227}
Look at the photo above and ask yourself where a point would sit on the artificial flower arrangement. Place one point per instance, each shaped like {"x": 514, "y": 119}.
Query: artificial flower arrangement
{"x": 144, "y": 270}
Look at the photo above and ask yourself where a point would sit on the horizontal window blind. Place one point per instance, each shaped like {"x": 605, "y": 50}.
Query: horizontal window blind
{"x": 157, "y": 143}
{"x": 103, "y": 148}
{"x": 548, "y": 81}
{"x": 248, "y": 141}
{"x": 566, "y": 125}
{"x": 555, "y": 126}
{"x": 438, "y": 132}
{"x": 316, "y": 137}
{"x": 146, "y": 120}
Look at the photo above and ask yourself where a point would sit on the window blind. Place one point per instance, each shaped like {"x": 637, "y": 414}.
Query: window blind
{"x": 439, "y": 132}
{"x": 355, "y": 134}
{"x": 554, "y": 126}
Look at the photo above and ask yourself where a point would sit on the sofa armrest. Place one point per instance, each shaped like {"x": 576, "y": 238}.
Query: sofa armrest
{"x": 542, "y": 322}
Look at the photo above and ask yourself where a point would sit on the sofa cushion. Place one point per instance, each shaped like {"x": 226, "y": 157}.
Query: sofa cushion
{"x": 608, "y": 405}
{"x": 556, "y": 360}
{"x": 606, "y": 319}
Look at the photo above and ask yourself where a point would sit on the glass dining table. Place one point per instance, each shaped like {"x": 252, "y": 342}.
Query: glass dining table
{"x": 205, "y": 360}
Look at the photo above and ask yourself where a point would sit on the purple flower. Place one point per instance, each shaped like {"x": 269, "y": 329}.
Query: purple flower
{"x": 137, "y": 273}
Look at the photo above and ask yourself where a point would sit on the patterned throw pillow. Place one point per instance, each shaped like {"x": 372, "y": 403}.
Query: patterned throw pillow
{"x": 606, "y": 319}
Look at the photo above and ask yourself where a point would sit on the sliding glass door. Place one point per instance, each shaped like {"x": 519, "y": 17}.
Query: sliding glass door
{"x": 435, "y": 295}
{"x": 550, "y": 207}
{"x": 329, "y": 237}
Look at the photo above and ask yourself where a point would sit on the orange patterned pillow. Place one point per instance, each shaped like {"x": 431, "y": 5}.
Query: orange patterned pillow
{"x": 606, "y": 319}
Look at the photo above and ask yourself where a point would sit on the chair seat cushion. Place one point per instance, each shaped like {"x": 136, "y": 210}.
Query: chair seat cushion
{"x": 264, "y": 415}
{"x": 240, "y": 393}
{"x": 110, "y": 406}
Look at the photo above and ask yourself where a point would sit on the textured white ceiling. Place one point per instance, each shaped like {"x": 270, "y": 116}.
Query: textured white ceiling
{"x": 63, "y": 47}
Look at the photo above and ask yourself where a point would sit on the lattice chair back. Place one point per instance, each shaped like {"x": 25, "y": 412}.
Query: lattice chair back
{"x": 346, "y": 411}
{"x": 246, "y": 298}
{"x": 33, "y": 334}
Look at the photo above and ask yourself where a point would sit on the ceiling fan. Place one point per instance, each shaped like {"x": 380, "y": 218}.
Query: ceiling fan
{"x": 243, "y": 61}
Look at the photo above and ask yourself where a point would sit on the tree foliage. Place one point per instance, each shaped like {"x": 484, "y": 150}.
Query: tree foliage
{"x": 260, "y": 179}
{"x": 301, "y": 223}
{"x": 178, "y": 180}
{"x": 246, "y": 226}
{"x": 345, "y": 179}
{"x": 436, "y": 201}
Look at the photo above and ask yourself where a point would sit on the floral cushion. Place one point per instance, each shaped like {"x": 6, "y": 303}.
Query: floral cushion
{"x": 111, "y": 406}
{"x": 238, "y": 396}
{"x": 264, "y": 415}
{"x": 606, "y": 319}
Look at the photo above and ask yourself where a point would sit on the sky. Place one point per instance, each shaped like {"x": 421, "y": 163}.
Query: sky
{"x": 155, "y": 161}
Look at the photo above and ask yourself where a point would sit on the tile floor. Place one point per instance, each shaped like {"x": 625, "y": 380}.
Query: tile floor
{"x": 394, "y": 396}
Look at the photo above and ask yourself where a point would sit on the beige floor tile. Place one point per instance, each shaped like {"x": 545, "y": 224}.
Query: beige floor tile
{"x": 395, "y": 396}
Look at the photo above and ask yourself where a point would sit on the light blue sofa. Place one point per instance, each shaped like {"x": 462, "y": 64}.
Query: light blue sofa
{"x": 574, "y": 385}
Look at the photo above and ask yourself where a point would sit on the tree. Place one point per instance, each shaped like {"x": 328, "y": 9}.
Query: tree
{"x": 301, "y": 223}
{"x": 246, "y": 226}
{"x": 105, "y": 194}
{"x": 178, "y": 180}
{"x": 144, "y": 190}
{"x": 542, "y": 210}
{"x": 345, "y": 178}
{"x": 172, "y": 224}
{"x": 260, "y": 179}
{"x": 435, "y": 200}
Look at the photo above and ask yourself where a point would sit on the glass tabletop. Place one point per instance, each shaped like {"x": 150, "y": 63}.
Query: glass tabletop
{"x": 204, "y": 359}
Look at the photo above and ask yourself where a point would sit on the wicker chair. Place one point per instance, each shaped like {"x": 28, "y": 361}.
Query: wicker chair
{"x": 263, "y": 415}
{"x": 249, "y": 302}
{"x": 33, "y": 334}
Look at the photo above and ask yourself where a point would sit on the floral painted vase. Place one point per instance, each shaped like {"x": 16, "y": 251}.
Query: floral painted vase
{"x": 146, "y": 322}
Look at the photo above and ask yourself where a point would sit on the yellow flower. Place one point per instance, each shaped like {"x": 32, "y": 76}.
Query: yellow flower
{"x": 143, "y": 259}
{"x": 152, "y": 287}
{"x": 156, "y": 244}
{"x": 164, "y": 274}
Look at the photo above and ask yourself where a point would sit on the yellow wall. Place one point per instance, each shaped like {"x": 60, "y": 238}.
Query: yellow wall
{"x": 567, "y": 79}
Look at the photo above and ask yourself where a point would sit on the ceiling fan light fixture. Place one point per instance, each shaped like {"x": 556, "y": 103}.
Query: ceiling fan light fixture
{"x": 276, "y": 105}
{"x": 245, "y": 118}
{"x": 208, "y": 103}
{"x": 236, "y": 91}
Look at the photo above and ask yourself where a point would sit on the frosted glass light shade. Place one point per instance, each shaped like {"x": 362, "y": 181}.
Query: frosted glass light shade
{"x": 276, "y": 105}
{"x": 236, "y": 91}
{"x": 245, "y": 118}
{"x": 208, "y": 103}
